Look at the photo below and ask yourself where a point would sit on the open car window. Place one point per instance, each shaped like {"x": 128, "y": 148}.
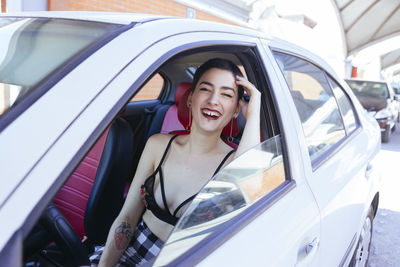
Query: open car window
{"x": 243, "y": 182}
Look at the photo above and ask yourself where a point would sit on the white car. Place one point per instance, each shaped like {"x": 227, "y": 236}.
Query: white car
{"x": 78, "y": 90}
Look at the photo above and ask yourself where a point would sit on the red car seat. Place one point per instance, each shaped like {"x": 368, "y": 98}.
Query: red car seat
{"x": 171, "y": 121}
{"x": 91, "y": 198}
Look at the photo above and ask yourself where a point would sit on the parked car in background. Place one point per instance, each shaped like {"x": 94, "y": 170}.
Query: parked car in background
{"x": 396, "y": 89}
{"x": 84, "y": 91}
{"x": 379, "y": 99}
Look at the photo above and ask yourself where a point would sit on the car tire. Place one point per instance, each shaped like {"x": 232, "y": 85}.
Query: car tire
{"x": 361, "y": 254}
{"x": 386, "y": 134}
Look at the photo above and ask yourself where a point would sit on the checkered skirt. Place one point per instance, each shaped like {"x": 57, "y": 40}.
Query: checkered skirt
{"x": 144, "y": 246}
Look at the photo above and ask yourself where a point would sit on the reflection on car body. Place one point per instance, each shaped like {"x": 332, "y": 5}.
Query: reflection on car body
{"x": 290, "y": 199}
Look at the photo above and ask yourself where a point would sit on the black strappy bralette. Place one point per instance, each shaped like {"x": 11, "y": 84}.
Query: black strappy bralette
{"x": 147, "y": 191}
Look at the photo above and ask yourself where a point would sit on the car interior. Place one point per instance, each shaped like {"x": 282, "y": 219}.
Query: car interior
{"x": 80, "y": 215}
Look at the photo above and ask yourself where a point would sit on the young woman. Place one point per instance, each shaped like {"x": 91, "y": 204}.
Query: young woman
{"x": 172, "y": 169}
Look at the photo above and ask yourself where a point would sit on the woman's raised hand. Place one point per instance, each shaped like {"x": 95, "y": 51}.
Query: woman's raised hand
{"x": 253, "y": 93}
{"x": 251, "y": 111}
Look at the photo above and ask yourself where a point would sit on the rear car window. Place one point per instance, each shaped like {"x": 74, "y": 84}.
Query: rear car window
{"x": 345, "y": 106}
{"x": 315, "y": 103}
{"x": 151, "y": 90}
{"x": 32, "y": 49}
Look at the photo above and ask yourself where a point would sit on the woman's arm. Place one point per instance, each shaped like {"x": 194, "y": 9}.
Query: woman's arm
{"x": 251, "y": 111}
{"x": 124, "y": 225}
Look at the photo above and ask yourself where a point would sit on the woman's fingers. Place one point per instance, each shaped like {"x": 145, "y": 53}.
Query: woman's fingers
{"x": 255, "y": 97}
{"x": 248, "y": 86}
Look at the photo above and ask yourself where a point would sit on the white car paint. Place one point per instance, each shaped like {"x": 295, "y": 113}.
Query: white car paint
{"x": 313, "y": 212}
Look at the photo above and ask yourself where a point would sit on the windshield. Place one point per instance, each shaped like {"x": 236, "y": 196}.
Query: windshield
{"x": 371, "y": 89}
{"x": 31, "y": 49}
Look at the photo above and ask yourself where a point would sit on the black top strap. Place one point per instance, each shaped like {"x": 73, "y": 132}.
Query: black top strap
{"x": 183, "y": 204}
{"x": 163, "y": 192}
{"x": 217, "y": 170}
{"x": 166, "y": 150}
{"x": 161, "y": 174}
{"x": 223, "y": 161}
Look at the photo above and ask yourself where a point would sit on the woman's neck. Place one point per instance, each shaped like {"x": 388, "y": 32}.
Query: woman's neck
{"x": 203, "y": 143}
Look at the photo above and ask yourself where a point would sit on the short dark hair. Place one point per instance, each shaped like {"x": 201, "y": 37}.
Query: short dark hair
{"x": 218, "y": 63}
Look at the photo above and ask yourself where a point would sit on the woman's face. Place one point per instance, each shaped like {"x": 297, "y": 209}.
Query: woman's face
{"x": 214, "y": 100}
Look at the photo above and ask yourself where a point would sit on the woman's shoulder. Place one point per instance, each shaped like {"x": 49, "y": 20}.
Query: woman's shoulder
{"x": 155, "y": 146}
{"x": 159, "y": 140}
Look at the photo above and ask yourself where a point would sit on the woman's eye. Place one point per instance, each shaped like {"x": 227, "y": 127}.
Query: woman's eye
{"x": 204, "y": 89}
{"x": 227, "y": 95}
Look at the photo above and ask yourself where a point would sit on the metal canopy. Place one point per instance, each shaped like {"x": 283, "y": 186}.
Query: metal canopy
{"x": 365, "y": 22}
{"x": 390, "y": 59}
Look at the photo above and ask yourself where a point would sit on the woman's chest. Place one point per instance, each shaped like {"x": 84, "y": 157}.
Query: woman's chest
{"x": 181, "y": 180}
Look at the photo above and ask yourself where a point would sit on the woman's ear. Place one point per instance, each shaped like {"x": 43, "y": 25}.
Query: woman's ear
{"x": 237, "y": 110}
{"x": 189, "y": 100}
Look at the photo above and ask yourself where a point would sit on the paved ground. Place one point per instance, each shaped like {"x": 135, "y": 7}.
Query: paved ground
{"x": 385, "y": 248}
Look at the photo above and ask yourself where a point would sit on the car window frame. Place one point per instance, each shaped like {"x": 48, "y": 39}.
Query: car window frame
{"x": 334, "y": 149}
{"x": 164, "y": 91}
{"x": 229, "y": 228}
{"x": 353, "y": 108}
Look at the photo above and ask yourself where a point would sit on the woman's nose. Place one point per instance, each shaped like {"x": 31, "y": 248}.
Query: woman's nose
{"x": 214, "y": 98}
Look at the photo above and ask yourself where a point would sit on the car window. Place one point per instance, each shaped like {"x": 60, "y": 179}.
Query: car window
{"x": 32, "y": 49}
{"x": 244, "y": 181}
{"x": 369, "y": 89}
{"x": 151, "y": 90}
{"x": 345, "y": 106}
{"x": 315, "y": 104}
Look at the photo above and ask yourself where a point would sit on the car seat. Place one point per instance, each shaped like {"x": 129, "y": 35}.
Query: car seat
{"x": 92, "y": 197}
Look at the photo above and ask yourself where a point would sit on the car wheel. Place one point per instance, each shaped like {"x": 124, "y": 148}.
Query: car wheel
{"x": 386, "y": 134}
{"x": 361, "y": 254}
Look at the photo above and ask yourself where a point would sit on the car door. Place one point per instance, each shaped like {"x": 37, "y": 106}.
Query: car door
{"x": 337, "y": 158}
{"x": 259, "y": 210}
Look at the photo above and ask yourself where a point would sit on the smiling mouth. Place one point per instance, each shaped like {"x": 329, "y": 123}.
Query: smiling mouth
{"x": 213, "y": 115}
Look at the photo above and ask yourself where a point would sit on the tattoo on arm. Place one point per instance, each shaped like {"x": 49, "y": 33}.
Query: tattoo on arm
{"x": 123, "y": 235}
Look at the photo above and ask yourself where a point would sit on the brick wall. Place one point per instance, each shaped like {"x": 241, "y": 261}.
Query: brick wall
{"x": 3, "y": 6}
{"x": 157, "y": 7}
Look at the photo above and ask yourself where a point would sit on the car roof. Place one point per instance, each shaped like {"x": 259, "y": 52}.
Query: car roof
{"x": 195, "y": 24}
{"x": 106, "y": 17}
{"x": 365, "y": 80}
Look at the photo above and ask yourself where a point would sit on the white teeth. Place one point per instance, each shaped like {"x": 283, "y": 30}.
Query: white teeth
{"x": 210, "y": 113}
